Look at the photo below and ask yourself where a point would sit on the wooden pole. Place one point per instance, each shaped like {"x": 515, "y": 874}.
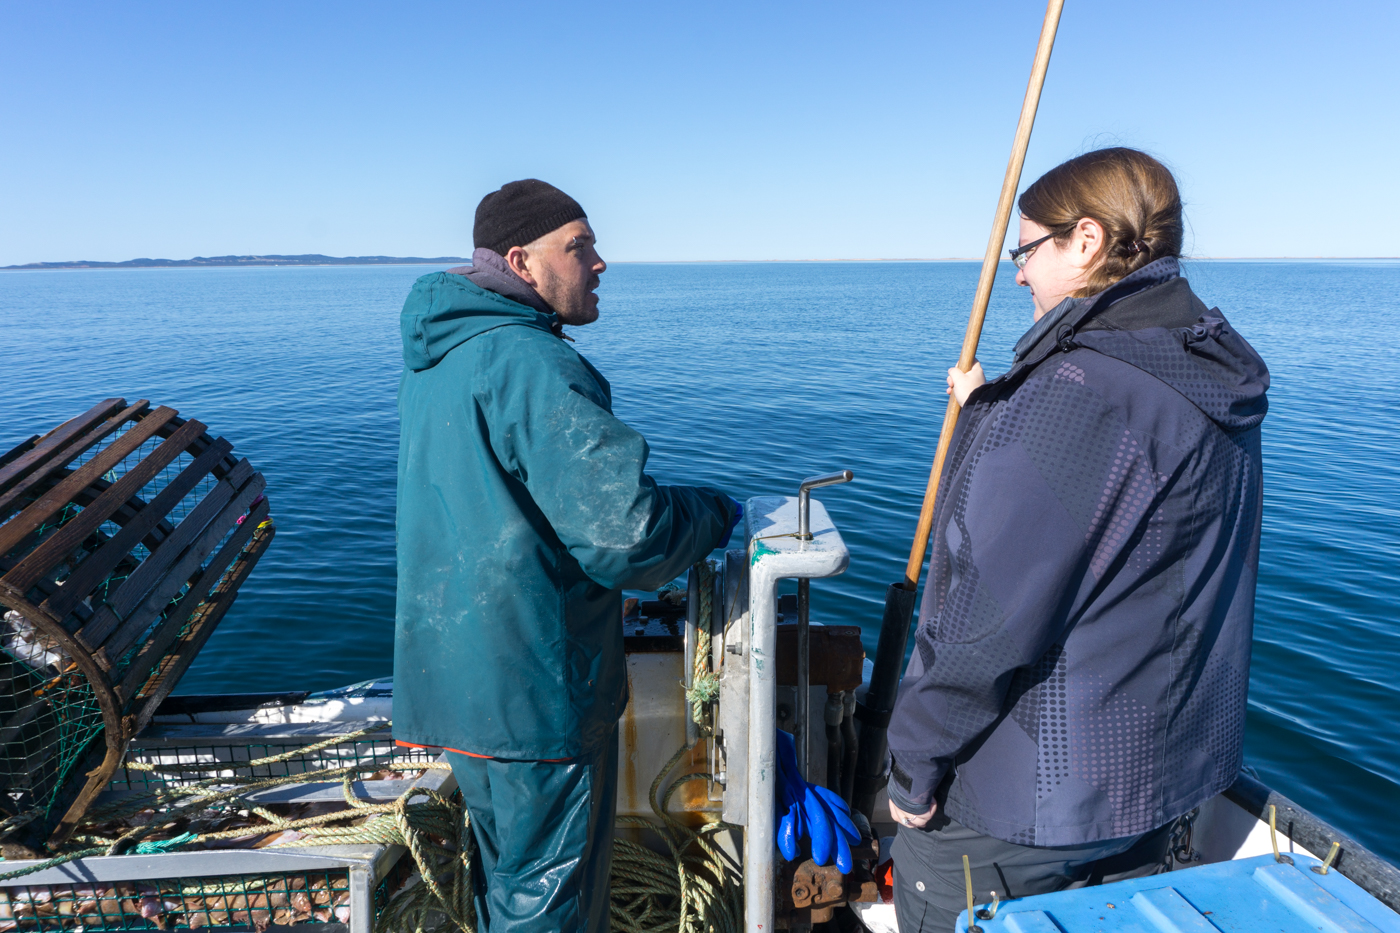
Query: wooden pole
{"x": 984, "y": 284}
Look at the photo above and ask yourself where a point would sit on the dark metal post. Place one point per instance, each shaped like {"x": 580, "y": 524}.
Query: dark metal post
{"x": 874, "y": 713}
{"x": 803, "y": 713}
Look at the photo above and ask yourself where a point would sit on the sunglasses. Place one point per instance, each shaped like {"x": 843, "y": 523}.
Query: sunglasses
{"x": 1022, "y": 254}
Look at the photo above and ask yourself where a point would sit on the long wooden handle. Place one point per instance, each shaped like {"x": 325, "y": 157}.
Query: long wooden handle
{"x": 984, "y": 283}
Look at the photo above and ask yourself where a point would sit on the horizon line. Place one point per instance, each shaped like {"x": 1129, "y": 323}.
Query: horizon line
{"x": 999, "y": 260}
{"x": 105, "y": 265}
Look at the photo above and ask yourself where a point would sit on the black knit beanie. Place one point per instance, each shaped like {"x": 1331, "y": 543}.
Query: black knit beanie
{"x": 521, "y": 212}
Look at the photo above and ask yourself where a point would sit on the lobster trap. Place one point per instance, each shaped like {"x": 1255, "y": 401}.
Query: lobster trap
{"x": 354, "y": 881}
{"x": 125, "y": 534}
{"x": 316, "y": 891}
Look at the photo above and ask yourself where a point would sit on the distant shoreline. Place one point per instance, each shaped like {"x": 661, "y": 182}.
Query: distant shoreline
{"x": 236, "y": 262}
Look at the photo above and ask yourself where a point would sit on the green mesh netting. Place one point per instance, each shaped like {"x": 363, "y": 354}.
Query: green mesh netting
{"x": 245, "y": 901}
{"x": 49, "y": 723}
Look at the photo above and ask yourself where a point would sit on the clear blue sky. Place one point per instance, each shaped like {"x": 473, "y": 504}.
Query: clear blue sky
{"x": 688, "y": 131}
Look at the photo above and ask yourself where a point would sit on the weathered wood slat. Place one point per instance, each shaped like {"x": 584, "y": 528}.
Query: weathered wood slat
{"x": 126, "y": 513}
{"x": 185, "y": 570}
{"x": 154, "y": 567}
{"x": 22, "y": 447}
{"x": 54, "y": 499}
{"x": 95, "y": 567}
{"x": 135, "y": 622}
{"x": 81, "y": 613}
{"x": 9, "y": 499}
{"x": 56, "y": 547}
{"x": 106, "y": 617}
{"x": 84, "y": 498}
{"x": 159, "y": 641}
{"x": 77, "y": 796}
{"x": 55, "y": 440}
{"x": 210, "y": 614}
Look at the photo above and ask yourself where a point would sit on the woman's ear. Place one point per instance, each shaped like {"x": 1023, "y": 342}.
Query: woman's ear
{"x": 1087, "y": 243}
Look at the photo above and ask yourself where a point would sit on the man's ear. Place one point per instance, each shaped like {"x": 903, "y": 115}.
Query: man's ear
{"x": 519, "y": 261}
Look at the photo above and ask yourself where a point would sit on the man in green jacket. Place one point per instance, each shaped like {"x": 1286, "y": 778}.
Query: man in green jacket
{"x": 523, "y": 509}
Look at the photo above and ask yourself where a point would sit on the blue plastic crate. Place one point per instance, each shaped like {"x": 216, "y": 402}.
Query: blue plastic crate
{"x": 1255, "y": 895}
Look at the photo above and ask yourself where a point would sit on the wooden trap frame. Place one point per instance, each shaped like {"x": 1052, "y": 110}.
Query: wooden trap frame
{"x": 125, "y": 534}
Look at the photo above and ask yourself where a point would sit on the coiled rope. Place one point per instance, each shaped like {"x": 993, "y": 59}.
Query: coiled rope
{"x": 693, "y": 890}
{"x": 417, "y": 826}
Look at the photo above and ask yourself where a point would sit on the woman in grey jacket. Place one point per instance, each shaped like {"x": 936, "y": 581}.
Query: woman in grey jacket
{"x": 1083, "y": 644}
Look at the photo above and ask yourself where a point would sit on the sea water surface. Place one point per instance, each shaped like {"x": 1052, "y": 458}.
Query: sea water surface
{"x": 749, "y": 377}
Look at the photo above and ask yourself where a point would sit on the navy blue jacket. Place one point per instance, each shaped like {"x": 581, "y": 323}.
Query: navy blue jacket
{"x": 1083, "y": 644}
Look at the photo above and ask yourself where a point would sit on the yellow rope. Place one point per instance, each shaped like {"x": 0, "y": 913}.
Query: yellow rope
{"x": 691, "y": 891}
{"x": 704, "y": 684}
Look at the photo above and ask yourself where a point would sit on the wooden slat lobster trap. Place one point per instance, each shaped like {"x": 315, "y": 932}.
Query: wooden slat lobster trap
{"x": 125, "y": 534}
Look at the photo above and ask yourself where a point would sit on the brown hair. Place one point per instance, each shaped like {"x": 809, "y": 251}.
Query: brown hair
{"x": 1132, "y": 196}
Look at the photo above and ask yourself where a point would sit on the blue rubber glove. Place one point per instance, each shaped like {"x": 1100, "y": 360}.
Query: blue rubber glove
{"x": 822, "y": 830}
{"x": 840, "y": 812}
{"x": 791, "y": 791}
{"x": 813, "y": 811}
{"x": 790, "y": 830}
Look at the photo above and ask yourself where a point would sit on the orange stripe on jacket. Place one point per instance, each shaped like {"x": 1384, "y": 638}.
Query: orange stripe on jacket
{"x": 552, "y": 761}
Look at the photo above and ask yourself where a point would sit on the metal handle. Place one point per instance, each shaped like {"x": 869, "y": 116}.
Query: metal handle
{"x": 804, "y": 498}
{"x": 803, "y": 713}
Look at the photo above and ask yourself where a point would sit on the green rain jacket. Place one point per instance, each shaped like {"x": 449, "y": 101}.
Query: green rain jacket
{"x": 523, "y": 509}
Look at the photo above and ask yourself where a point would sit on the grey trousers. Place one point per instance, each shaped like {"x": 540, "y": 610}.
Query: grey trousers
{"x": 930, "y": 890}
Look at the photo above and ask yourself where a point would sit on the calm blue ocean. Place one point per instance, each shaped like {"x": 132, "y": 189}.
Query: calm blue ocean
{"x": 749, "y": 377}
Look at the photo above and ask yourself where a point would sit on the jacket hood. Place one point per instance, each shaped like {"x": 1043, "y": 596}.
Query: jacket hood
{"x": 1153, "y": 321}
{"x": 445, "y": 310}
{"x": 490, "y": 270}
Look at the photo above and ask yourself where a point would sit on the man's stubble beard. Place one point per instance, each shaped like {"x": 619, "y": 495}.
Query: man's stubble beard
{"x": 573, "y": 308}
